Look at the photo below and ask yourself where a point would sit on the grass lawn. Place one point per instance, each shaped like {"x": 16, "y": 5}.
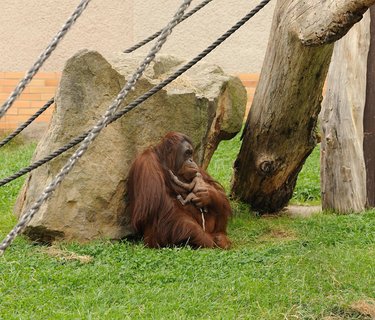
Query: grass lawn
{"x": 279, "y": 267}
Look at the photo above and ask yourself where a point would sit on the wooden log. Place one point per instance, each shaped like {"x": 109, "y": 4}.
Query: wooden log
{"x": 343, "y": 174}
{"x": 280, "y": 131}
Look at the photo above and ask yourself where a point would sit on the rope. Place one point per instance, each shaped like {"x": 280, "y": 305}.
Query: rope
{"x": 129, "y": 50}
{"x": 43, "y": 57}
{"x": 94, "y": 132}
{"x": 152, "y": 37}
{"x": 142, "y": 98}
{"x": 203, "y": 219}
{"x": 27, "y": 123}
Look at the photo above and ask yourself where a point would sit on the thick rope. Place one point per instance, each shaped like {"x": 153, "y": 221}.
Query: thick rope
{"x": 152, "y": 37}
{"x": 142, "y": 98}
{"x": 43, "y": 57}
{"x": 94, "y": 132}
{"x": 203, "y": 219}
{"x": 131, "y": 49}
{"x": 27, "y": 123}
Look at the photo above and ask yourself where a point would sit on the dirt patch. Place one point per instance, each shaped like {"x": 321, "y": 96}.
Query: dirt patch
{"x": 278, "y": 234}
{"x": 66, "y": 255}
{"x": 365, "y": 307}
{"x": 295, "y": 211}
{"x": 301, "y": 211}
{"x": 360, "y": 310}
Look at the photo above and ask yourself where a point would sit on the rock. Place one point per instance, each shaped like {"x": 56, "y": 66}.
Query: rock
{"x": 205, "y": 104}
{"x": 34, "y": 132}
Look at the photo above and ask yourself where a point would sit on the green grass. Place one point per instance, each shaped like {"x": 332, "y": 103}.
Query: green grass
{"x": 13, "y": 157}
{"x": 279, "y": 268}
{"x": 308, "y": 184}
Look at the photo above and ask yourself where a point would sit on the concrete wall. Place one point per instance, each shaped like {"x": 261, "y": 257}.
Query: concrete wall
{"x": 243, "y": 52}
{"x": 110, "y": 26}
{"x": 27, "y": 26}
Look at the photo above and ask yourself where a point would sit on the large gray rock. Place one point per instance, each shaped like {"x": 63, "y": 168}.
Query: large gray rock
{"x": 205, "y": 104}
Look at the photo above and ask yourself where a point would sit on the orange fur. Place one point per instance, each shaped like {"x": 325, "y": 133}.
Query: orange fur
{"x": 157, "y": 215}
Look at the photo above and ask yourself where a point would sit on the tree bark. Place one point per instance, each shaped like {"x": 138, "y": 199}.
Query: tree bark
{"x": 369, "y": 118}
{"x": 280, "y": 131}
{"x": 343, "y": 173}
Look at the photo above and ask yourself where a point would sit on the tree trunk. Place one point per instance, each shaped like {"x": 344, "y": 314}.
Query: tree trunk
{"x": 280, "y": 131}
{"x": 369, "y": 118}
{"x": 343, "y": 174}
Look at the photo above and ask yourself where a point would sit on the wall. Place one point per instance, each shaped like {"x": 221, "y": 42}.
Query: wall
{"x": 35, "y": 95}
{"x": 243, "y": 52}
{"x": 43, "y": 87}
{"x": 27, "y": 26}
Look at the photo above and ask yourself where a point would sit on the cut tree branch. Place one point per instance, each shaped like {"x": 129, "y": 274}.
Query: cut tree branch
{"x": 280, "y": 131}
{"x": 321, "y": 22}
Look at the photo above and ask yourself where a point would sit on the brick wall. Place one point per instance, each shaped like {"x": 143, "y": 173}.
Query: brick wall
{"x": 43, "y": 87}
{"x": 250, "y": 81}
{"x": 36, "y": 94}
